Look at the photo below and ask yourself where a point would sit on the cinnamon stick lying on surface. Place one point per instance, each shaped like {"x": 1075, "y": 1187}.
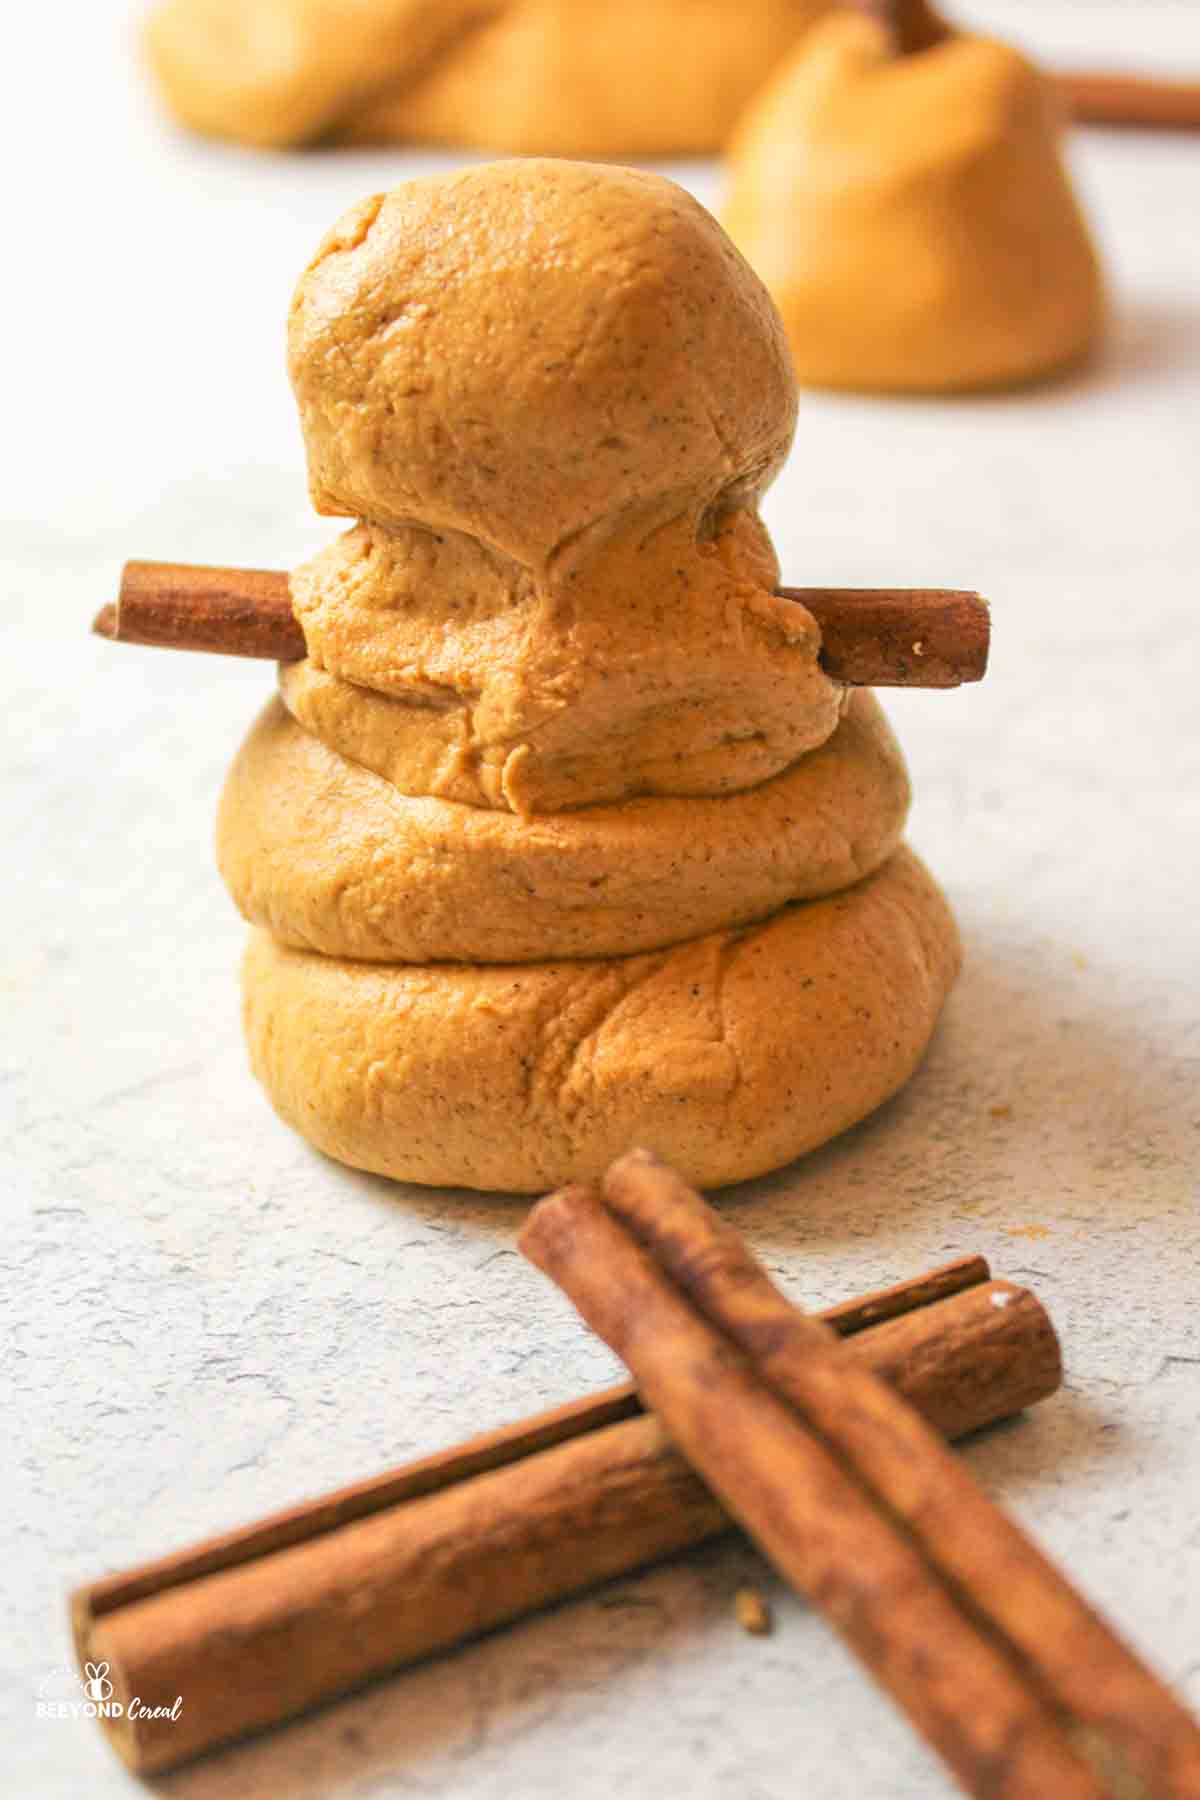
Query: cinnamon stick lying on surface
{"x": 1010, "y": 1675}
{"x": 256, "y": 1626}
{"x": 871, "y": 637}
{"x": 1137, "y": 102}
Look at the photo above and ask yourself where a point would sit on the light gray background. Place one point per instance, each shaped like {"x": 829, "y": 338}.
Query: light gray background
{"x": 205, "y": 1320}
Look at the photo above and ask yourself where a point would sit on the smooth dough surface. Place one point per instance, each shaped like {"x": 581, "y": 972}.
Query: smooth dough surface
{"x": 728, "y": 1055}
{"x": 550, "y": 77}
{"x": 330, "y": 857}
{"x": 278, "y": 72}
{"x": 912, "y": 216}
{"x": 554, "y": 394}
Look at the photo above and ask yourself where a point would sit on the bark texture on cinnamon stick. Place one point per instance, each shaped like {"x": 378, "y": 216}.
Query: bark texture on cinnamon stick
{"x": 902, "y": 637}
{"x": 260, "y": 1624}
{"x": 1011, "y": 1676}
{"x": 871, "y": 637}
{"x": 186, "y": 606}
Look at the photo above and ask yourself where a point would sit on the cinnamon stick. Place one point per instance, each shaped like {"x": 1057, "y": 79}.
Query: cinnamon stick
{"x": 871, "y": 637}
{"x": 912, "y": 25}
{"x": 1091, "y": 96}
{"x": 255, "y": 1626}
{"x": 1136, "y": 102}
{"x": 899, "y": 637}
{"x": 1017, "y": 1682}
{"x": 186, "y": 606}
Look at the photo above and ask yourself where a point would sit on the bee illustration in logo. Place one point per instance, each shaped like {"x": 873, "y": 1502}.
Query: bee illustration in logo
{"x": 97, "y": 1686}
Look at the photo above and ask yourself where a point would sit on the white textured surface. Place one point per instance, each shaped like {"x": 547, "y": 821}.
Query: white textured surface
{"x": 205, "y": 1320}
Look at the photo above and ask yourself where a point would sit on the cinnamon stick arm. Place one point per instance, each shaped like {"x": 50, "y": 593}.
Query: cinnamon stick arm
{"x": 1092, "y": 97}
{"x": 250, "y": 1627}
{"x": 912, "y": 25}
{"x": 810, "y": 1516}
{"x": 899, "y": 637}
{"x": 1134, "y": 102}
{"x": 183, "y": 606}
{"x": 1136, "y": 1733}
{"x": 871, "y": 637}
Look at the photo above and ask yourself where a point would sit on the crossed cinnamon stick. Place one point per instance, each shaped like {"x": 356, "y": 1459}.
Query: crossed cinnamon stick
{"x": 871, "y": 637}
{"x": 759, "y": 1414}
{"x": 1010, "y": 1675}
{"x": 264, "y": 1622}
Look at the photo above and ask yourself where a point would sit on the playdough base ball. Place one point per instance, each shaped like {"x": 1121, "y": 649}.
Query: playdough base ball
{"x": 729, "y": 1054}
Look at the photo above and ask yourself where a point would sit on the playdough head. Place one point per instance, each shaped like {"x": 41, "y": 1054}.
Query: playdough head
{"x": 522, "y": 350}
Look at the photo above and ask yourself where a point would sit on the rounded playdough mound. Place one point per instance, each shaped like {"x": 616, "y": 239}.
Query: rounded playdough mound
{"x": 551, "y": 77}
{"x": 330, "y": 857}
{"x": 729, "y": 1054}
{"x": 519, "y": 349}
{"x": 912, "y": 216}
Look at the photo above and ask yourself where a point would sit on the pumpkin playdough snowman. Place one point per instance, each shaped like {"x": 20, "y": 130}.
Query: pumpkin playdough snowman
{"x": 560, "y": 838}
